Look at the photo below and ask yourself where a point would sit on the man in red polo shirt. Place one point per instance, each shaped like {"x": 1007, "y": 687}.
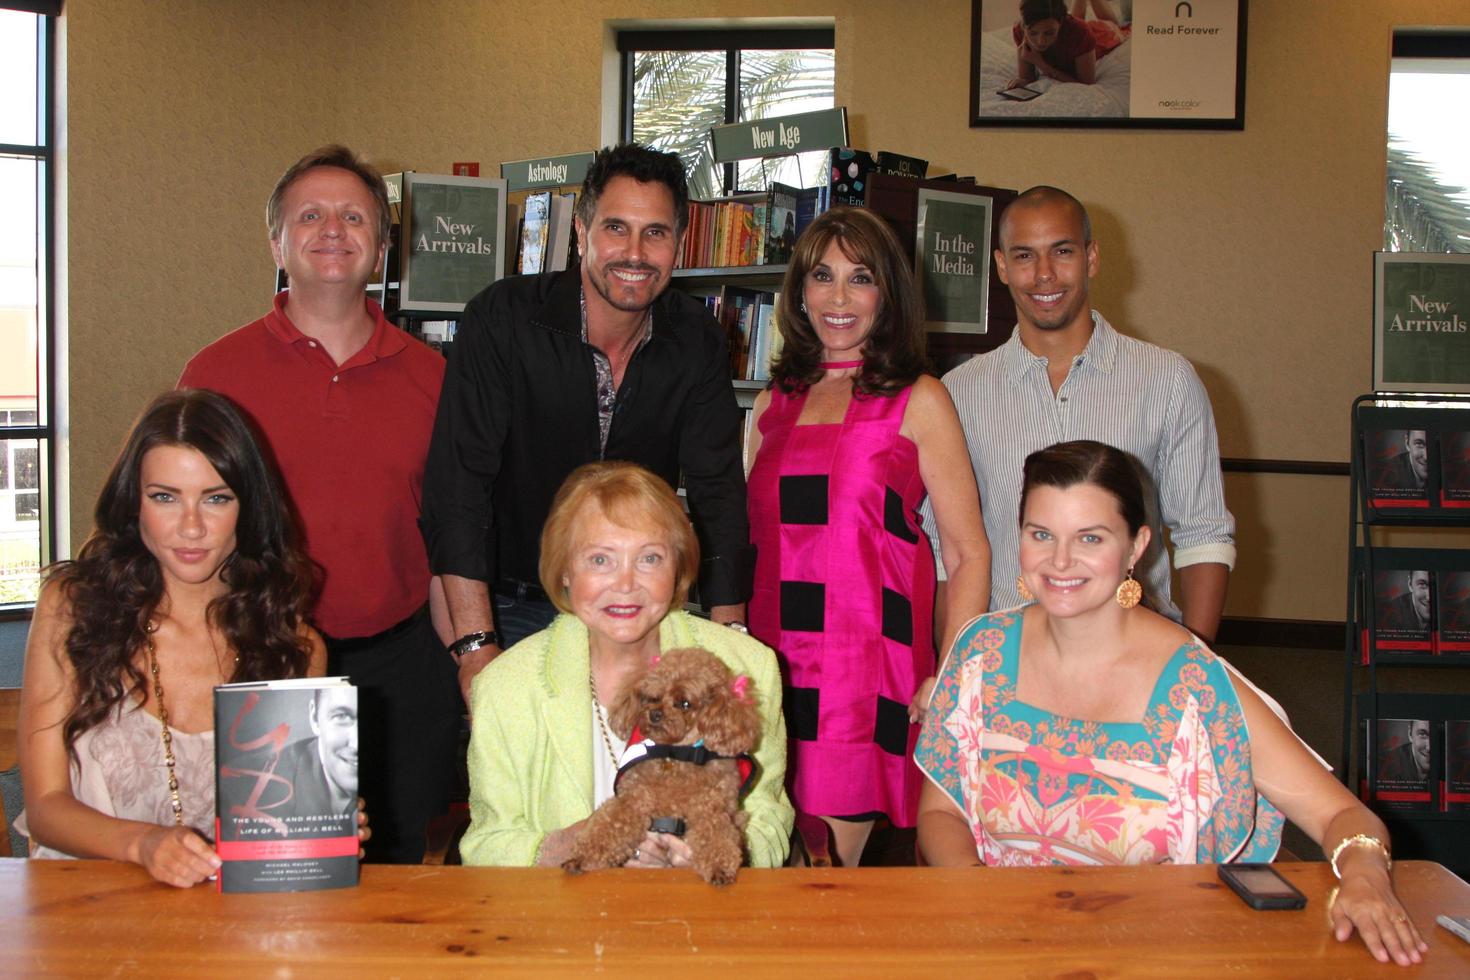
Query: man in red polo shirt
{"x": 346, "y": 402}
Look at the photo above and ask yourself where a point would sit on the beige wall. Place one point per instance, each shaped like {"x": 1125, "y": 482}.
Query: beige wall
{"x": 1249, "y": 251}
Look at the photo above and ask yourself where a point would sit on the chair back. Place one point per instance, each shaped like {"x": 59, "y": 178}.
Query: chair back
{"x": 9, "y": 753}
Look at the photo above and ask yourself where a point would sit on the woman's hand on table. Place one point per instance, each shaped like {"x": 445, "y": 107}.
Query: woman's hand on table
{"x": 1365, "y": 901}
{"x": 177, "y": 856}
{"x": 661, "y": 851}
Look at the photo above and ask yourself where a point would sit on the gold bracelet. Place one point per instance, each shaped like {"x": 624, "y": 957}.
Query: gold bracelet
{"x": 1366, "y": 841}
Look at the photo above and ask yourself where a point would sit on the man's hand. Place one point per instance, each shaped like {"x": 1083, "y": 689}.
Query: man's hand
{"x": 727, "y": 614}
{"x": 470, "y": 665}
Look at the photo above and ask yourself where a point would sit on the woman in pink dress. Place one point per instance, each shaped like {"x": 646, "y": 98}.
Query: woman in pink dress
{"x": 845, "y": 442}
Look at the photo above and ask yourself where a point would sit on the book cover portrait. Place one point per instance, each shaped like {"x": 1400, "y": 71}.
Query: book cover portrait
{"x": 1403, "y": 610}
{"x": 1403, "y": 763}
{"x": 1398, "y": 467}
{"x": 286, "y": 786}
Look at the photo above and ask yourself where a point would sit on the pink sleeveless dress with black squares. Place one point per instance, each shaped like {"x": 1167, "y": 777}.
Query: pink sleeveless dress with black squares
{"x": 844, "y": 592}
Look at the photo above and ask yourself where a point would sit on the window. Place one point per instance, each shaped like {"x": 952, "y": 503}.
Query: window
{"x": 679, "y": 84}
{"x": 26, "y": 538}
{"x": 1427, "y": 208}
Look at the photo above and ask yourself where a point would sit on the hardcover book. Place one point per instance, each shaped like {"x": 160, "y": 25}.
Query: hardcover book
{"x": 848, "y": 171}
{"x": 286, "y": 785}
{"x": 559, "y": 235}
{"x": 1403, "y": 611}
{"x": 901, "y": 166}
{"x": 1456, "y": 792}
{"x": 1454, "y": 468}
{"x": 1398, "y": 467}
{"x": 781, "y": 224}
{"x": 1452, "y": 613}
{"x": 767, "y": 340}
{"x": 535, "y": 232}
{"x": 1401, "y": 761}
{"x": 391, "y": 255}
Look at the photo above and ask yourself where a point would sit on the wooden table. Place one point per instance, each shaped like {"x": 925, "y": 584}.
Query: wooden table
{"x": 94, "y": 918}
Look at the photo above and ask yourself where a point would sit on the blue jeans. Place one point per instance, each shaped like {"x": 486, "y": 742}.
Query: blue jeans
{"x": 519, "y": 618}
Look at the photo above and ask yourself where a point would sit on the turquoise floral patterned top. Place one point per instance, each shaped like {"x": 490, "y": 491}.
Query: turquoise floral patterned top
{"x": 1038, "y": 788}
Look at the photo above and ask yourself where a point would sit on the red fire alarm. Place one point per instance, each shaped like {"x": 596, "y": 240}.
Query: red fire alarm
{"x": 467, "y": 169}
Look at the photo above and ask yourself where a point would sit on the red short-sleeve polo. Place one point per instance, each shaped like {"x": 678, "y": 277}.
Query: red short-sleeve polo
{"x": 351, "y": 440}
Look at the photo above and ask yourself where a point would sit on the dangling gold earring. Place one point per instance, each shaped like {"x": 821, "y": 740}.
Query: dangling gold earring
{"x": 1129, "y": 593}
{"x": 1026, "y": 595}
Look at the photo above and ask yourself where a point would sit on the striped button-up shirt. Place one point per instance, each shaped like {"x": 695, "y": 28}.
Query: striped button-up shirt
{"x": 1124, "y": 392}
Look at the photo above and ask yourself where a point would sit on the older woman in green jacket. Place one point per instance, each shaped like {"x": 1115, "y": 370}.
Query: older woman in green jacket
{"x": 617, "y": 558}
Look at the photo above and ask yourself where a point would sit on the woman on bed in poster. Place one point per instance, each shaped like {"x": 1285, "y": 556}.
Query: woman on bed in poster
{"x": 1065, "y": 45}
{"x": 1083, "y": 728}
{"x": 846, "y": 442}
{"x": 192, "y": 577}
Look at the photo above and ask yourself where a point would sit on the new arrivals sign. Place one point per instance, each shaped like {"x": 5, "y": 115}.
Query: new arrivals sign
{"x": 1421, "y": 322}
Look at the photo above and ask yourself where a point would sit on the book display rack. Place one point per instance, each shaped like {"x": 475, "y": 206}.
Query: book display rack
{"x": 1407, "y": 754}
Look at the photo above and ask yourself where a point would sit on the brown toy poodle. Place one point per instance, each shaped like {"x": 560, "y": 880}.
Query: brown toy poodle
{"x": 693, "y": 726}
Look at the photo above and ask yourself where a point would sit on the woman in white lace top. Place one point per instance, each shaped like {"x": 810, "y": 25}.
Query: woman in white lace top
{"x": 192, "y": 577}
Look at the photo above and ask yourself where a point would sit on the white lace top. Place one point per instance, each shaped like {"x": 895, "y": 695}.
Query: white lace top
{"x": 121, "y": 773}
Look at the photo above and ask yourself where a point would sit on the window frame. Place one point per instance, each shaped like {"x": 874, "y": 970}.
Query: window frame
{"x": 1428, "y": 44}
{"x": 44, "y": 155}
{"x": 732, "y": 41}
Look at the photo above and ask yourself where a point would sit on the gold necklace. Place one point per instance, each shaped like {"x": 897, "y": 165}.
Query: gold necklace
{"x": 168, "y": 739}
{"x": 597, "y": 710}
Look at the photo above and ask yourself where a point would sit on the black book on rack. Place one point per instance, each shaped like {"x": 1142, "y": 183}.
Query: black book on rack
{"x": 781, "y": 223}
{"x": 1403, "y": 611}
{"x": 1398, "y": 467}
{"x": 808, "y": 206}
{"x": 1452, "y": 613}
{"x": 901, "y": 166}
{"x": 1454, "y": 468}
{"x": 847, "y": 172}
{"x": 1401, "y": 756}
{"x": 1455, "y": 795}
{"x": 286, "y": 785}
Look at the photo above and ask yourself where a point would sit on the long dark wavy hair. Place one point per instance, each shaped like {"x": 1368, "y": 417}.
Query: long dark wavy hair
{"x": 894, "y": 354}
{"x": 114, "y": 584}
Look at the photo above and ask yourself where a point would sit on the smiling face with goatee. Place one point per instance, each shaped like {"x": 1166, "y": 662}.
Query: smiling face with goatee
{"x": 629, "y": 246}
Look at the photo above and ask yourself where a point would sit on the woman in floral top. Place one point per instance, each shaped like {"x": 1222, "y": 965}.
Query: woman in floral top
{"x": 1084, "y": 728}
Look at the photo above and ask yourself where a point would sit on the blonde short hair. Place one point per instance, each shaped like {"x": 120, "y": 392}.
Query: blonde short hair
{"x": 629, "y": 496}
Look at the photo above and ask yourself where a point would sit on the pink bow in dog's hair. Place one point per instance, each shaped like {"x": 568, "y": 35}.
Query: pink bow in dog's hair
{"x": 738, "y": 685}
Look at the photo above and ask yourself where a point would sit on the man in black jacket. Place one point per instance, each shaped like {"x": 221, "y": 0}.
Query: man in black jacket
{"x": 548, "y": 372}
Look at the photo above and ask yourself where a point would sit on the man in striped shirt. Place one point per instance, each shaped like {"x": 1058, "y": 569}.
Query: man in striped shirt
{"x": 1066, "y": 374}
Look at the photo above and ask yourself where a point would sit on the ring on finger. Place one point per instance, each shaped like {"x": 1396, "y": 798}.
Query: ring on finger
{"x": 637, "y": 854}
{"x": 1401, "y": 917}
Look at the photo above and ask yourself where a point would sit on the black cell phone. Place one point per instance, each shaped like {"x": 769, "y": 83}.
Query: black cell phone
{"x": 1260, "y": 887}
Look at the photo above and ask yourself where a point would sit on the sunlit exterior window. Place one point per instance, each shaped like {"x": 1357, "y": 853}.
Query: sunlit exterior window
{"x": 25, "y": 275}
{"x": 1427, "y": 208}
{"x": 679, "y": 84}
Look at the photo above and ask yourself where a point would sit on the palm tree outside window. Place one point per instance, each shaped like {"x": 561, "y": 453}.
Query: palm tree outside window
{"x": 679, "y": 84}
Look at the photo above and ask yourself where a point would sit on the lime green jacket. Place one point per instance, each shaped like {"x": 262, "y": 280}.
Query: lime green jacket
{"x": 530, "y": 756}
